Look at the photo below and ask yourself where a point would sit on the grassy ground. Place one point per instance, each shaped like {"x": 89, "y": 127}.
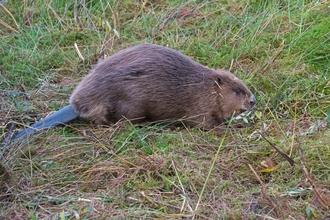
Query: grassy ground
{"x": 279, "y": 48}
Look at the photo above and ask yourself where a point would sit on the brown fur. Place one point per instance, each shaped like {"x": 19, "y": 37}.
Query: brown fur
{"x": 150, "y": 83}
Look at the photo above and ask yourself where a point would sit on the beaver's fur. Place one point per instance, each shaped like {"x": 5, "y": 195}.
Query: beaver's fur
{"x": 151, "y": 83}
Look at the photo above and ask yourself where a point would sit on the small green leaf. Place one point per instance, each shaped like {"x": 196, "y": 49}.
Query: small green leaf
{"x": 245, "y": 120}
{"x": 46, "y": 164}
{"x": 63, "y": 215}
{"x": 308, "y": 212}
{"x": 116, "y": 33}
{"x": 88, "y": 209}
{"x": 107, "y": 26}
{"x": 33, "y": 216}
{"x": 99, "y": 22}
{"x": 258, "y": 114}
{"x": 18, "y": 106}
{"x": 27, "y": 108}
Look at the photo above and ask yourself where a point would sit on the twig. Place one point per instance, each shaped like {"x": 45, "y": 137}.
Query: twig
{"x": 78, "y": 52}
{"x": 322, "y": 200}
{"x": 278, "y": 150}
{"x": 263, "y": 189}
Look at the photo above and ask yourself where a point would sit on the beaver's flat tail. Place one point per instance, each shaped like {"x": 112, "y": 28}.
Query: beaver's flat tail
{"x": 63, "y": 115}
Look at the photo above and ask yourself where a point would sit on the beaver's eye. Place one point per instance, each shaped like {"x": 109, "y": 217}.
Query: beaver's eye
{"x": 237, "y": 91}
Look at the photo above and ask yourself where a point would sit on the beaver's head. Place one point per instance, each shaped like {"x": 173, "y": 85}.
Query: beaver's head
{"x": 233, "y": 95}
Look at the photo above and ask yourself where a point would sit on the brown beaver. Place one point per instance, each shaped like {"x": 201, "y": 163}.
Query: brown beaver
{"x": 151, "y": 83}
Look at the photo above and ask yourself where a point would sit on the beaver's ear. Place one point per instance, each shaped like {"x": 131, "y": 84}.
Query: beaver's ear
{"x": 218, "y": 80}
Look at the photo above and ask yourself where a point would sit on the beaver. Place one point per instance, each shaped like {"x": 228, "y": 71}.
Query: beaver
{"x": 149, "y": 82}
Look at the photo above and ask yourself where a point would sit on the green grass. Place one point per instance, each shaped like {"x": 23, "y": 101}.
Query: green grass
{"x": 279, "y": 48}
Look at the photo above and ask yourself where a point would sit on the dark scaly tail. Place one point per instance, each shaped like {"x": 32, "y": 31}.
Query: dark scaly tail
{"x": 63, "y": 115}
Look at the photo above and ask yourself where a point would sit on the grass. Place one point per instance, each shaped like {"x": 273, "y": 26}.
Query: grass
{"x": 279, "y": 48}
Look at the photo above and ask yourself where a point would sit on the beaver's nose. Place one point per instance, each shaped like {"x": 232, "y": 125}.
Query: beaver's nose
{"x": 253, "y": 100}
